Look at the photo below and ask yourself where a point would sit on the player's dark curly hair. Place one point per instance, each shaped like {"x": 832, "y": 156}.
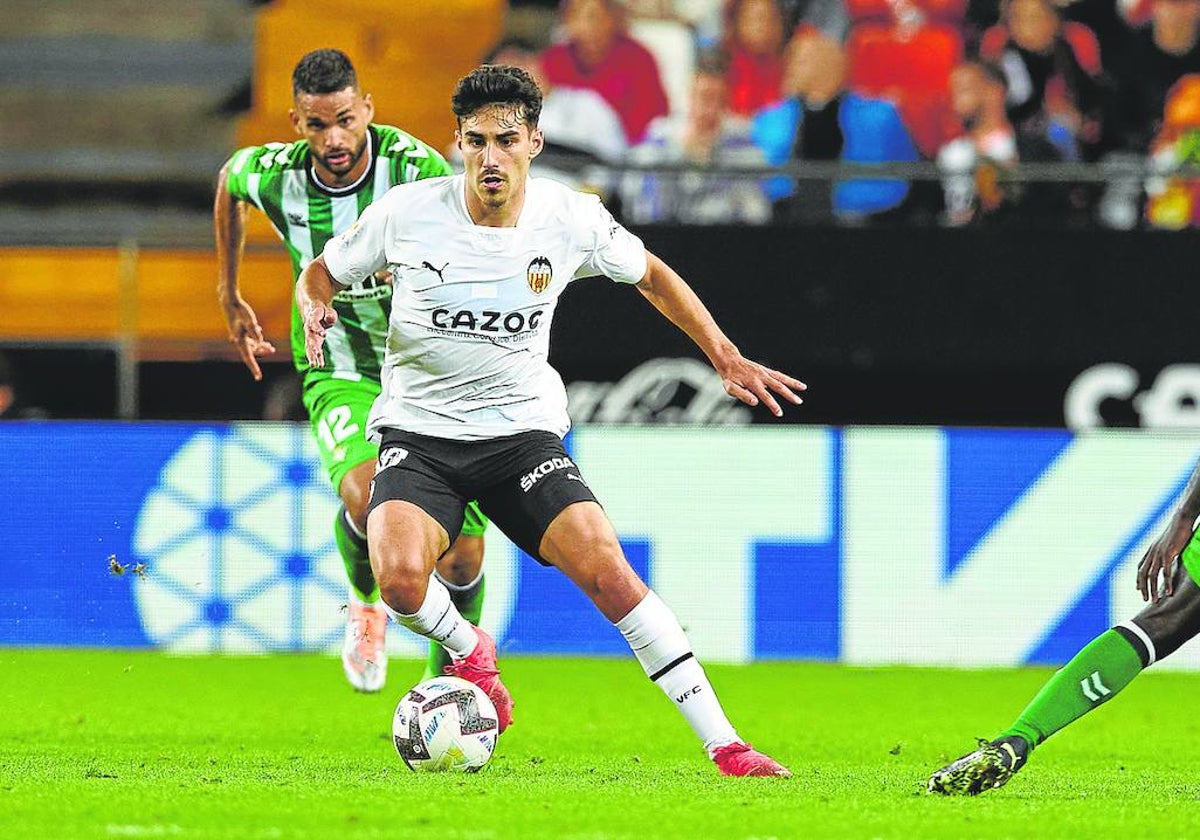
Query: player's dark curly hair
{"x": 323, "y": 71}
{"x": 493, "y": 84}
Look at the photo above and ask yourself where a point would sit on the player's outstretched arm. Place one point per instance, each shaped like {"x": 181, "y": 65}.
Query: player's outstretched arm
{"x": 229, "y": 224}
{"x": 314, "y": 297}
{"x": 1161, "y": 557}
{"x": 745, "y": 380}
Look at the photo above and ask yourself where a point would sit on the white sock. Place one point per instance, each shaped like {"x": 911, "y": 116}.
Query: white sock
{"x": 439, "y": 619}
{"x": 662, "y": 648}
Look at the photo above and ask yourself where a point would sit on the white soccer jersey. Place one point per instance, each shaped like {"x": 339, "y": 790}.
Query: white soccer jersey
{"x": 469, "y": 334}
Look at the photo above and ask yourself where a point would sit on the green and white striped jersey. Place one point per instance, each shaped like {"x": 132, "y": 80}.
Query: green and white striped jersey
{"x": 277, "y": 179}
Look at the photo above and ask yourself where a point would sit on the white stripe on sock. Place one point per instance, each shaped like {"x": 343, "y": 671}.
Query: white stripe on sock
{"x": 1144, "y": 636}
{"x": 454, "y": 587}
{"x": 350, "y": 524}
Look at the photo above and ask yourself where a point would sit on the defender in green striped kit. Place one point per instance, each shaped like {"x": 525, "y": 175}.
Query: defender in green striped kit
{"x": 312, "y": 189}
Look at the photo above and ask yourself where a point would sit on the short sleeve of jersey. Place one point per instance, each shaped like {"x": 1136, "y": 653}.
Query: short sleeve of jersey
{"x": 254, "y": 162}
{"x": 358, "y": 252}
{"x": 412, "y": 160}
{"x": 238, "y": 172}
{"x": 609, "y": 249}
{"x": 435, "y": 166}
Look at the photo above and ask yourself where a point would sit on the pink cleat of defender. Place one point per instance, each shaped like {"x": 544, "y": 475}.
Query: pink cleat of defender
{"x": 739, "y": 759}
{"x": 479, "y": 667}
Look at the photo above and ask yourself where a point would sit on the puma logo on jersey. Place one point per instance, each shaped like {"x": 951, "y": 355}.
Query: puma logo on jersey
{"x": 296, "y": 220}
{"x": 438, "y": 271}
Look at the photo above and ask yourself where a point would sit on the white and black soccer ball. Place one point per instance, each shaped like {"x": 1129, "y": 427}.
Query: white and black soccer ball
{"x": 445, "y": 724}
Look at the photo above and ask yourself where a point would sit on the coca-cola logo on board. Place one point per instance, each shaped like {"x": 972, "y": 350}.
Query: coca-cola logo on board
{"x": 674, "y": 391}
{"x": 1170, "y": 401}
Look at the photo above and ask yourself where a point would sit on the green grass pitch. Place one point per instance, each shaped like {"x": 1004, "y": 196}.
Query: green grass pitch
{"x": 140, "y": 744}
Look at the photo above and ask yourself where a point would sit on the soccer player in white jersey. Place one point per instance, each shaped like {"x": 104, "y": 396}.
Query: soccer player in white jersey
{"x": 471, "y": 408}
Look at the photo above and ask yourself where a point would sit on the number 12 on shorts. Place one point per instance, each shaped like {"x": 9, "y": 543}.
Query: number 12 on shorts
{"x": 336, "y": 426}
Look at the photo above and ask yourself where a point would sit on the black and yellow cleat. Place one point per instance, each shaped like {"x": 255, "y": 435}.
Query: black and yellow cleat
{"x": 990, "y": 766}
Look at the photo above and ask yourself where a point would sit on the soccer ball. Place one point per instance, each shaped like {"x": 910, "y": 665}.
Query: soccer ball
{"x": 445, "y": 723}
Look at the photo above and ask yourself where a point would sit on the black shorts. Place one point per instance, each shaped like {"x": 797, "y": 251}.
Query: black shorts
{"x": 521, "y": 482}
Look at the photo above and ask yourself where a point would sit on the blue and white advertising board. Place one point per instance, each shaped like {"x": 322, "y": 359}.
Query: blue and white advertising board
{"x": 929, "y": 546}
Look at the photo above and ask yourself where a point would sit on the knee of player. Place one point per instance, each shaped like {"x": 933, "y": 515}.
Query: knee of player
{"x": 355, "y": 491}
{"x": 1163, "y": 627}
{"x": 462, "y": 563}
{"x": 592, "y": 538}
{"x": 611, "y": 581}
{"x": 402, "y": 586}
{"x": 1155, "y": 640}
{"x": 356, "y": 506}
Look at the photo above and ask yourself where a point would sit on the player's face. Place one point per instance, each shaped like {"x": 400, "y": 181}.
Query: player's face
{"x": 497, "y": 146}
{"x": 335, "y": 125}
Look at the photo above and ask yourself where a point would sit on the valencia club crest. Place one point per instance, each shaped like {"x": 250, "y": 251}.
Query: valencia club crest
{"x": 539, "y": 274}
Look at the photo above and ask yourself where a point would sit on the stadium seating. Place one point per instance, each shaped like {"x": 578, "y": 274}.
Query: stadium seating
{"x": 408, "y": 55}
{"x": 153, "y": 296}
{"x": 165, "y": 67}
{"x": 409, "y": 76}
{"x": 130, "y": 89}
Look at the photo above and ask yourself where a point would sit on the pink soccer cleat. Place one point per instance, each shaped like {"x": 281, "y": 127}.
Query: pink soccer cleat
{"x": 740, "y": 759}
{"x": 364, "y": 651}
{"x": 479, "y": 667}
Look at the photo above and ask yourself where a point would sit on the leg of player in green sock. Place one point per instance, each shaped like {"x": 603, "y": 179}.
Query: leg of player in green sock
{"x": 1095, "y": 675}
{"x": 1104, "y": 666}
{"x": 353, "y": 547}
{"x": 1113, "y": 659}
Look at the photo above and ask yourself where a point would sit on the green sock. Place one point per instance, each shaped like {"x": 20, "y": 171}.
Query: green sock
{"x": 1096, "y": 674}
{"x": 469, "y": 601}
{"x": 353, "y": 548}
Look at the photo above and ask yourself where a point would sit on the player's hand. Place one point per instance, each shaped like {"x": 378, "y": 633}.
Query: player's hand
{"x": 318, "y": 318}
{"x": 246, "y": 335}
{"x": 753, "y": 383}
{"x": 1160, "y": 560}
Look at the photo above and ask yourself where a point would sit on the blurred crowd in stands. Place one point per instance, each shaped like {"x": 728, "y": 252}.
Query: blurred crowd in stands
{"x": 701, "y": 88}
